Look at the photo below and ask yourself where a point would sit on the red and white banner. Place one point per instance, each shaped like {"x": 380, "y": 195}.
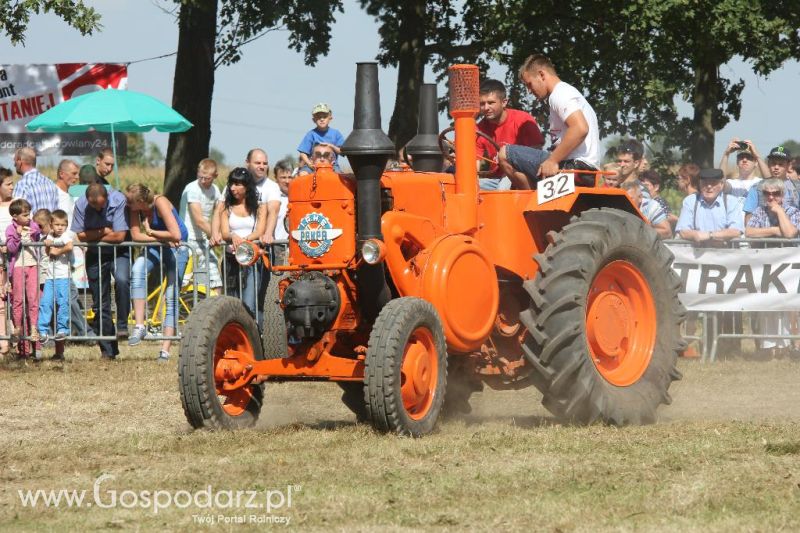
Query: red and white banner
{"x": 29, "y": 90}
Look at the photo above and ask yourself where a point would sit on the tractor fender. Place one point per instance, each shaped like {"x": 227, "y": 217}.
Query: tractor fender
{"x": 583, "y": 199}
{"x": 555, "y": 214}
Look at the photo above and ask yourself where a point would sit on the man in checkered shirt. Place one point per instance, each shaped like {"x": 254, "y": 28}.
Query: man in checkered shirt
{"x": 35, "y": 187}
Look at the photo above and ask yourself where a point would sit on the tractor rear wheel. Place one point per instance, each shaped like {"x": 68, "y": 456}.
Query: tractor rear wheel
{"x": 405, "y": 371}
{"x": 214, "y": 326}
{"x": 604, "y": 320}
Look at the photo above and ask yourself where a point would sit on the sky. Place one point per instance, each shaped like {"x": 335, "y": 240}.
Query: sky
{"x": 265, "y": 99}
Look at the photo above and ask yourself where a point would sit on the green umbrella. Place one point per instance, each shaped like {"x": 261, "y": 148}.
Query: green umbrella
{"x": 113, "y": 111}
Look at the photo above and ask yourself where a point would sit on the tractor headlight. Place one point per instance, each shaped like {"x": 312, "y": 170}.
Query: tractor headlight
{"x": 373, "y": 251}
{"x": 247, "y": 253}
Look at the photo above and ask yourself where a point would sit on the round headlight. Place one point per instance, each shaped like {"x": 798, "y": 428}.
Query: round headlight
{"x": 373, "y": 251}
{"x": 246, "y": 253}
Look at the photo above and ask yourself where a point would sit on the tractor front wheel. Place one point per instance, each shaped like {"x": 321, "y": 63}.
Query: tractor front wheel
{"x": 604, "y": 320}
{"x": 405, "y": 372}
{"x": 214, "y": 327}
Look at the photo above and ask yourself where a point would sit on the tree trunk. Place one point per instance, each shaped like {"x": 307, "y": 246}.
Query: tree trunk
{"x": 410, "y": 71}
{"x": 705, "y": 101}
{"x": 192, "y": 91}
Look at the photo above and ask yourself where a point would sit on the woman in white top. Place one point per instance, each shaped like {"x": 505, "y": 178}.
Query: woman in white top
{"x": 6, "y": 195}
{"x": 243, "y": 219}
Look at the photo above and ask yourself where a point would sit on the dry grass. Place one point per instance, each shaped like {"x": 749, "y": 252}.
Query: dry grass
{"x": 724, "y": 457}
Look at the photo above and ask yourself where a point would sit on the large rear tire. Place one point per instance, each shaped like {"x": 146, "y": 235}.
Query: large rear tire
{"x": 604, "y": 320}
{"x": 405, "y": 372}
{"x": 214, "y": 326}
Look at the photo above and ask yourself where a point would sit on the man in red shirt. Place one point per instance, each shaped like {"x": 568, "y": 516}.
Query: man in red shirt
{"x": 504, "y": 126}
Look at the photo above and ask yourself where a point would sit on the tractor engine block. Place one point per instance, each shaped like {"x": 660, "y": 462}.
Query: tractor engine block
{"x": 311, "y": 304}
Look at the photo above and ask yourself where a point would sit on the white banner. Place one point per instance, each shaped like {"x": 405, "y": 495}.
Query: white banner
{"x": 747, "y": 279}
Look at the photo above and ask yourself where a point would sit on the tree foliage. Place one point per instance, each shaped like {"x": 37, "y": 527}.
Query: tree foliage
{"x": 308, "y": 23}
{"x": 141, "y": 153}
{"x": 16, "y": 14}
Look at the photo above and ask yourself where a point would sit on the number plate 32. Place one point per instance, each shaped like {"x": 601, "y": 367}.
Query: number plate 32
{"x": 555, "y": 187}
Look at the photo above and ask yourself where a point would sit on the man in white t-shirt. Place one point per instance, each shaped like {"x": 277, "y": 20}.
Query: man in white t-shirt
{"x": 198, "y": 201}
{"x": 574, "y": 132}
{"x": 67, "y": 175}
{"x": 283, "y": 175}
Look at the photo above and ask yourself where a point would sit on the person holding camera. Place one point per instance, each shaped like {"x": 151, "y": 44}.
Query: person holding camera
{"x": 747, "y": 159}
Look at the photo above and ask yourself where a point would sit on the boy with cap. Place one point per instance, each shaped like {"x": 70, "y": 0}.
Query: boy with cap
{"x": 778, "y": 165}
{"x": 322, "y": 133}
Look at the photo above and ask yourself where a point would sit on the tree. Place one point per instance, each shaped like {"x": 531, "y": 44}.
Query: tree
{"x": 141, "y": 153}
{"x": 635, "y": 58}
{"x": 410, "y": 31}
{"x": 212, "y": 34}
{"x": 14, "y": 16}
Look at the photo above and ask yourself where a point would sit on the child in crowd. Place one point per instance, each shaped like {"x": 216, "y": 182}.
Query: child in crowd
{"x": 42, "y": 218}
{"x": 321, "y": 115}
{"x": 58, "y": 250}
{"x": 24, "y": 279}
{"x": 6, "y": 195}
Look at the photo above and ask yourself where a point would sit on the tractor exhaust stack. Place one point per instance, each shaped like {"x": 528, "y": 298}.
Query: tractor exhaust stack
{"x": 368, "y": 149}
{"x": 424, "y": 147}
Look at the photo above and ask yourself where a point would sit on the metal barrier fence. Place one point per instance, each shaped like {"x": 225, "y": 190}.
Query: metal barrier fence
{"x": 207, "y": 272}
{"x": 179, "y": 277}
{"x": 716, "y": 325}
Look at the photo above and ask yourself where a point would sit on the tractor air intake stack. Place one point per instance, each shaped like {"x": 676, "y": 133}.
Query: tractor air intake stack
{"x": 368, "y": 149}
{"x": 464, "y": 105}
{"x": 424, "y": 147}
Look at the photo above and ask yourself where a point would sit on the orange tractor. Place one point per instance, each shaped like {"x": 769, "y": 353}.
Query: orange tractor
{"x": 411, "y": 289}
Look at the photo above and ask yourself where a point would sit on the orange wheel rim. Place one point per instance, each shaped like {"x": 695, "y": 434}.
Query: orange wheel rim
{"x": 232, "y": 337}
{"x": 620, "y": 323}
{"x": 419, "y": 373}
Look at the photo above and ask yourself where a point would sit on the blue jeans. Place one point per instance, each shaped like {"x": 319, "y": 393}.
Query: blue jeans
{"x": 55, "y": 293}
{"x": 526, "y": 159}
{"x": 173, "y": 263}
{"x": 249, "y": 284}
{"x": 494, "y": 184}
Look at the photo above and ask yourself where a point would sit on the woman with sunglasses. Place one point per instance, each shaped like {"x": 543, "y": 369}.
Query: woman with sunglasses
{"x": 154, "y": 219}
{"x": 243, "y": 218}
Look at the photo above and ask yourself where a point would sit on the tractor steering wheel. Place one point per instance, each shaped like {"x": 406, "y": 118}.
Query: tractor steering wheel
{"x": 448, "y": 147}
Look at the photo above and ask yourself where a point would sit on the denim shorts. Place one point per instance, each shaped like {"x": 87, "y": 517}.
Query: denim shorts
{"x": 526, "y": 159}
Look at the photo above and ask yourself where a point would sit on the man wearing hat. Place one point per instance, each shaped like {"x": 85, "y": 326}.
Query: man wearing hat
{"x": 778, "y": 165}
{"x": 322, "y": 133}
{"x": 709, "y": 217}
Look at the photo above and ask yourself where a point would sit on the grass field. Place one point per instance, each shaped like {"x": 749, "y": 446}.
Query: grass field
{"x": 724, "y": 457}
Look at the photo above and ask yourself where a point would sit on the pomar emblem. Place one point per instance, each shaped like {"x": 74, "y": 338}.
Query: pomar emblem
{"x": 315, "y": 234}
